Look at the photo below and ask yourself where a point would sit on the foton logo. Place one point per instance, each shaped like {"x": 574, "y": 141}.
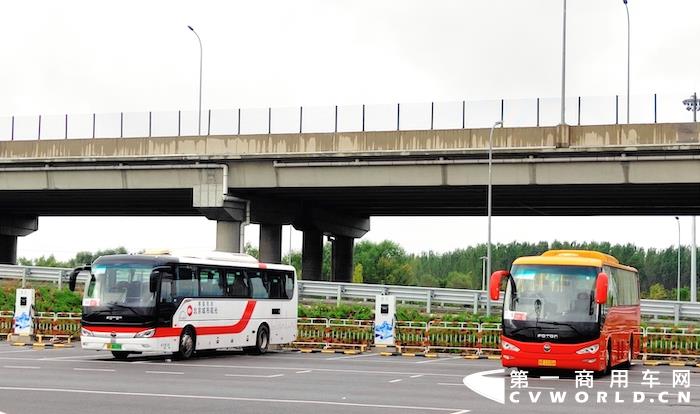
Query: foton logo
{"x": 547, "y": 336}
{"x": 113, "y": 318}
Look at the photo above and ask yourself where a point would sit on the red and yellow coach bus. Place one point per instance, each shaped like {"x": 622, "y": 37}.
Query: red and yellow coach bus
{"x": 569, "y": 309}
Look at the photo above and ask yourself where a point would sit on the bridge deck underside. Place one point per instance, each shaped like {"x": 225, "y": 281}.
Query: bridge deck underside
{"x": 515, "y": 200}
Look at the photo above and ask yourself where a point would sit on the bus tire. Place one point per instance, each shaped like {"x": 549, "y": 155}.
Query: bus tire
{"x": 608, "y": 358}
{"x": 630, "y": 353}
{"x": 120, "y": 355}
{"x": 187, "y": 344}
{"x": 262, "y": 340}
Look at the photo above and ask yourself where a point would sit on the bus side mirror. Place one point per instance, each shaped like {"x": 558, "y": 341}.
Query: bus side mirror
{"x": 601, "y": 288}
{"x": 73, "y": 277}
{"x": 495, "y": 283}
{"x": 153, "y": 281}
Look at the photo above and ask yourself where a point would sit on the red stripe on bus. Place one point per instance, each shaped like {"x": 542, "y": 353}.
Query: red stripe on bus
{"x": 262, "y": 265}
{"x": 237, "y": 327}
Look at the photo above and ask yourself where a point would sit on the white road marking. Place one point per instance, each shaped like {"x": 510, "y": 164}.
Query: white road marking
{"x": 416, "y": 376}
{"x": 427, "y": 361}
{"x": 20, "y": 367}
{"x": 14, "y": 352}
{"x": 255, "y": 376}
{"x": 396, "y": 380}
{"x": 221, "y": 398}
{"x": 304, "y": 372}
{"x": 73, "y": 357}
{"x": 94, "y": 369}
{"x": 350, "y": 357}
{"x": 165, "y": 372}
{"x": 460, "y": 412}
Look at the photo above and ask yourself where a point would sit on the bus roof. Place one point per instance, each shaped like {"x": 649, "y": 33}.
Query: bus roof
{"x": 212, "y": 258}
{"x": 573, "y": 258}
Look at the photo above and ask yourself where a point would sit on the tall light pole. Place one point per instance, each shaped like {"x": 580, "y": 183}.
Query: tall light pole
{"x": 483, "y": 272}
{"x": 678, "y": 283}
{"x": 199, "y": 122}
{"x": 563, "y": 65}
{"x": 488, "y": 203}
{"x": 628, "y": 61}
{"x": 693, "y": 267}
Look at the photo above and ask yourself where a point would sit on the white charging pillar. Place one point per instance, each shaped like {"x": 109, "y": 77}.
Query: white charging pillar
{"x": 24, "y": 312}
{"x": 384, "y": 320}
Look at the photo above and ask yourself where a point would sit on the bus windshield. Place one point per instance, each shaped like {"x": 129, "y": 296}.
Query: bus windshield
{"x": 551, "y": 293}
{"x": 115, "y": 284}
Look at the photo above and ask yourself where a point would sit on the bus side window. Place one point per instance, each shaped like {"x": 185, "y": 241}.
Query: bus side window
{"x": 210, "y": 282}
{"x": 236, "y": 284}
{"x": 289, "y": 285}
{"x": 257, "y": 284}
{"x": 275, "y": 281}
{"x": 186, "y": 284}
{"x": 166, "y": 288}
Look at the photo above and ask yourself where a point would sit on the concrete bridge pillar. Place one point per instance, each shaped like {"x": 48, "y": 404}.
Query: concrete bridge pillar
{"x": 342, "y": 259}
{"x": 312, "y": 255}
{"x": 10, "y": 228}
{"x": 271, "y": 243}
{"x": 8, "y": 249}
{"x": 228, "y": 236}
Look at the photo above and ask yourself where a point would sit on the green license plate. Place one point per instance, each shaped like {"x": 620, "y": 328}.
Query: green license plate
{"x": 113, "y": 346}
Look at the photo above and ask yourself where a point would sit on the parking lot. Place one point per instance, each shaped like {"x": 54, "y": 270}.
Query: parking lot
{"x": 77, "y": 381}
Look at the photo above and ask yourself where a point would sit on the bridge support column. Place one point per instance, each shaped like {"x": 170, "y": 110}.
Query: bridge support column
{"x": 271, "y": 243}
{"x": 341, "y": 258}
{"x": 228, "y": 236}
{"x": 10, "y": 228}
{"x": 312, "y": 255}
{"x": 8, "y": 249}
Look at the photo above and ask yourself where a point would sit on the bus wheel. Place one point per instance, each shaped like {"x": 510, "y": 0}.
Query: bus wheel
{"x": 120, "y": 355}
{"x": 262, "y": 340}
{"x": 606, "y": 369}
{"x": 630, "y": 353}
{"x": 188, "y": 342}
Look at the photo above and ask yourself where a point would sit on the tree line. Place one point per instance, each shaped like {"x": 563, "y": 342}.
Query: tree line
{"x": 386, "y": 262}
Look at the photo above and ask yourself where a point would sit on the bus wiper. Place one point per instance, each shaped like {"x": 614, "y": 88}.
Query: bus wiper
{"x": 124, "y": 307}
{"x": 562, "y": 324}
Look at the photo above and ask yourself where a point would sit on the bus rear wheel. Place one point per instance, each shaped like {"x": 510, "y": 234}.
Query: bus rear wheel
{"x": 262, "y": 341}
{"x": 188, "y": 343}
{"x": 630, "y": 353}
{"x": 120, "y": 355}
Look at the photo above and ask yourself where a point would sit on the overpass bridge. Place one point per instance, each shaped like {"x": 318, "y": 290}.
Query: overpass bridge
{"x": 331, "y": 183}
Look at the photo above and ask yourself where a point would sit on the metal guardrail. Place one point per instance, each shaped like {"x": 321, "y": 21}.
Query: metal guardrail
{"x": 528, "y": 112}
{"x": 474, "y": 300}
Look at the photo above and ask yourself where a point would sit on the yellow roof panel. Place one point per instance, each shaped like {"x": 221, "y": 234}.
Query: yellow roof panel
{"x": 573, "y": 258}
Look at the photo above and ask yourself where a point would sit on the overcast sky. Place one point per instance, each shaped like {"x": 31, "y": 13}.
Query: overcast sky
{"x": 132, "y": 56}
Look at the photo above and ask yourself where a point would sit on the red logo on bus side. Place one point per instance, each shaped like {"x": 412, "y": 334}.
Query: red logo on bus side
{"x": 189, "y": 310}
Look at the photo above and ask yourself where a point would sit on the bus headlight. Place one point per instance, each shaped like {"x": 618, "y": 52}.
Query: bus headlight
{"x": 509, "y": 347}
{"x": 145, "y": 334}
{"x": 588, "y": 350}
{"x": 85, "y": 332}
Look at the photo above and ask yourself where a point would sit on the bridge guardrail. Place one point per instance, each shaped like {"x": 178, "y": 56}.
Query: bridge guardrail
{"x": 528, "y": 112}
{"x": 474, "y": 300}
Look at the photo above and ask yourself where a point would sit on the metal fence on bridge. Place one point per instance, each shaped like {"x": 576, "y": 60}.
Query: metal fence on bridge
{"x": 519, "y": 112}
{"x": 471, "y": 300}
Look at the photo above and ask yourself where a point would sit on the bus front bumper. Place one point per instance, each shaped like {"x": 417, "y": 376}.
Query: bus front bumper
{"x": 553, "y": 355}
{"x": 129, "y": 344}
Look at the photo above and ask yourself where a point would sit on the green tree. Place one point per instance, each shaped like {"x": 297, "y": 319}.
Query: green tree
{"x": 457, "y": 280}
{"x": 357, "y": 276}
{"x": 657, "y": 291}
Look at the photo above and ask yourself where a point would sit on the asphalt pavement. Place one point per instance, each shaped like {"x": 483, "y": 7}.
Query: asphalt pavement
{"x": 77, "y": 381}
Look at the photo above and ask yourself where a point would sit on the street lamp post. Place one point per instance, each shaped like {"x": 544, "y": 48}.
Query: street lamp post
{"x": 488, "y": 202}
{"x": 678, "y": 282}
{"x": 628, "y": 60}
{"x": 199, "y": 119}
{"x": 563, "y": 65}
{"x": 693, "y": 104}
{"x": 483, "y": 272}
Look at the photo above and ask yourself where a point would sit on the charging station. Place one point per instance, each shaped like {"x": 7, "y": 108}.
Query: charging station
{"x": 24, "y": 313}
{"x": 385, "y": 320}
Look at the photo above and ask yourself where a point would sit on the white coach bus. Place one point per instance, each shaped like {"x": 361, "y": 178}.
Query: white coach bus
{"x": 180, "y": 304}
